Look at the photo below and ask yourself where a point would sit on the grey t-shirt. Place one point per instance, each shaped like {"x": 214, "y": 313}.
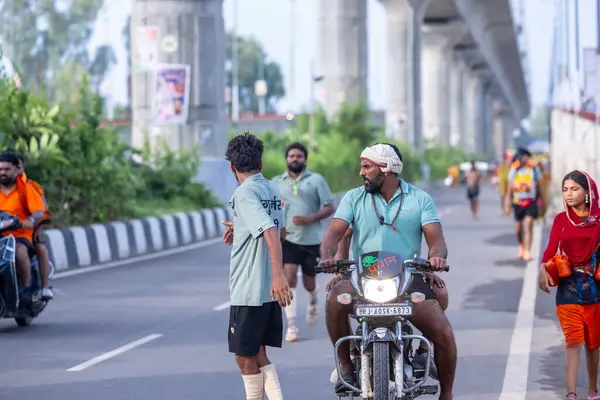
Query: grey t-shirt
{"x": 310, "y": 194}
{"x": 256, "y": 207}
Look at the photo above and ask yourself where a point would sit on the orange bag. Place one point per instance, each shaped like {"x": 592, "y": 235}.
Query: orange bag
{"x": 563, "y": 266}
{"x": 552, "y": 271}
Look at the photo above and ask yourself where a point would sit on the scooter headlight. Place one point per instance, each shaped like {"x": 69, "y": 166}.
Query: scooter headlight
{"x": 380, "y": 291}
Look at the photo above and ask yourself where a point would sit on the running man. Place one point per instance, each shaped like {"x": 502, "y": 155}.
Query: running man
{"x": 308, "y": 200}
{"x": 256, "y": 277}
{"x": 523, "y": 193}
{"x": 473, "y": 179}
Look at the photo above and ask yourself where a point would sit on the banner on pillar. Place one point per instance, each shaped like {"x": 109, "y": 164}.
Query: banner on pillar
{"x": 146, "y": 47}
{"x": 171, "y": 85}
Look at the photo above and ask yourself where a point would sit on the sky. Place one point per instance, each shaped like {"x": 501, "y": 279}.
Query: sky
{"x": 268, "y": 21}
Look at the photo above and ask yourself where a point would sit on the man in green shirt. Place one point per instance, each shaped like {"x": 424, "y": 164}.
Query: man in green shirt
{"x": 308, "y": 200}
{"x": 256, "y": 277}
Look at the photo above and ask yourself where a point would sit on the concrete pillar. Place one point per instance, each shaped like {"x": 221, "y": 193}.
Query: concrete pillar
{"x": 343, "y": 52}
{"x": 488, "y": 125}
{"x": 437, "y": 59}
{"x": 470, "y": 113}
{"x": 199, "y": 29}
{"x": 500, "y": 129}
{"x": 457, "y": 106}
{"x": 196, "y": 33}
{"x": 474, "y": 117}
{"x": 403, "y": 110}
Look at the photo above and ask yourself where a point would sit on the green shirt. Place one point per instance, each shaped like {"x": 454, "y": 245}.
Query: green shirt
{"x": 256, "y": 207}
{"x": 368, "y": 234}
{"x": 310, "y": 194}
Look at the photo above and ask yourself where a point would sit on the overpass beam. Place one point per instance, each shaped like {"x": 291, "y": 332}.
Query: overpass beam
{"x": 437, "y": 62}
{"x": 343, "y": 52}
{"x": 403, "y": 110}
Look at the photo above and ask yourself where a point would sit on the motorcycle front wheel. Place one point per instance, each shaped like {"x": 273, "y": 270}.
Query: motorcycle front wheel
{"x": 381, "y": 371}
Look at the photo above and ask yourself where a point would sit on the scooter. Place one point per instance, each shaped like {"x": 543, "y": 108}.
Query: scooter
{"x": 11, "y": 304}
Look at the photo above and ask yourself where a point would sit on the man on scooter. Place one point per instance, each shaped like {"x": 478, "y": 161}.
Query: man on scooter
{"x": 388, "y": 214}
{"x": 24, "y": 202}
{"x": 38, "y": 235}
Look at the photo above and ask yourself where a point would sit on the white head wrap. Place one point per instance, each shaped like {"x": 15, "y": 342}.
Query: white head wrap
{"x": 384, "y": 157}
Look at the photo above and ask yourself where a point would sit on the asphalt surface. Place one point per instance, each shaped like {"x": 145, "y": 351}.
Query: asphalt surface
{"x": 175, "y": 297}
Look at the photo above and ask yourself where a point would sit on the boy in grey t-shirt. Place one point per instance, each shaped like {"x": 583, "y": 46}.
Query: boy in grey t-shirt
{"x": 256, "y": 277}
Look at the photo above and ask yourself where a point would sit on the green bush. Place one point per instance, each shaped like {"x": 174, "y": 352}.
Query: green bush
{"x": 337, "y": 147}
{"x": 87, "y": 172}
{"x": 440, "y": 158}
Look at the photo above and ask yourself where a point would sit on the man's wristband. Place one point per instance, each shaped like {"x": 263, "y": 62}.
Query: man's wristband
{"x": 32, "y": 219}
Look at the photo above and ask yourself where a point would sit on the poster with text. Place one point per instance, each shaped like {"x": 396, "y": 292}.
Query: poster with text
{"x": 146, "y": 49}
{"x": 171, "y": 94}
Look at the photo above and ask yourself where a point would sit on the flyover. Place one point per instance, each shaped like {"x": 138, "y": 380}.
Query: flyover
{"x": 454, "y": 69}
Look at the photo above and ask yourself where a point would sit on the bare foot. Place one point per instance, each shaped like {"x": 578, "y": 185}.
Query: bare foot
{"x": 526, "y": 256}
{"x": 521, "y": 251}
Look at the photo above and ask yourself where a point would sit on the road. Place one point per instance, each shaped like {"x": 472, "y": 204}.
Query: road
{"x": 174, "y": 299}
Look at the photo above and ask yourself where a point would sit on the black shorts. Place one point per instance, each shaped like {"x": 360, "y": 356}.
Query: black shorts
{"x": 419, "y": 284}
{"x": 251, "y": 327}
{"x": 522, "y": 212}
{"x": 472, "y": 193}
{"x": 305, "y": 256}
{"x": 27, "y": 244}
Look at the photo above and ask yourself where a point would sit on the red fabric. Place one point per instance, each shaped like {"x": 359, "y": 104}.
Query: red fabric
{"x": 577, "y": 238}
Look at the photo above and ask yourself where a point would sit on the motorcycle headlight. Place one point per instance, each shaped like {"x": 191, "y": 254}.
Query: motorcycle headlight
{"x": 380, "y": 291}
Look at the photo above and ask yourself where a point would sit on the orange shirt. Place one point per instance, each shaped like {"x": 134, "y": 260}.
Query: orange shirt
{"x": 27, "y": 181}
{"x": 14, "y": 203}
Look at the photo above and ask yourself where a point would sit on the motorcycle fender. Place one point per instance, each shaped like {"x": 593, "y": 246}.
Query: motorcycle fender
{"x": 382, "y": 335}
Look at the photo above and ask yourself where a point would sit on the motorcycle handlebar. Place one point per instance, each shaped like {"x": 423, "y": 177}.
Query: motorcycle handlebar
{"x": 340, "y": 264}
{"x": 13, "y": 224}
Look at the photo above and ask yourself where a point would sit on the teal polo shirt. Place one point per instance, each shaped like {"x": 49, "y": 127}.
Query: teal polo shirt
{"x": 312, "y": 194}
{"x": 256, "y": 207}
{"x": 368, "y": 234}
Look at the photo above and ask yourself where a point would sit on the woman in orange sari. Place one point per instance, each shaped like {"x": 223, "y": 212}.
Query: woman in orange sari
{"x": 576, "y": 235}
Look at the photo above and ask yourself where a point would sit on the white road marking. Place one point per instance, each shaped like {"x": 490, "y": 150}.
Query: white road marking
{"x": 516, "y": 375}
{"x": 145, "y": 257}
{"x": 114, "y": 353}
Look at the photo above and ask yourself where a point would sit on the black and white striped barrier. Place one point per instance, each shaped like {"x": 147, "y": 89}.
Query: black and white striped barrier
{"x": 83, "y": 246}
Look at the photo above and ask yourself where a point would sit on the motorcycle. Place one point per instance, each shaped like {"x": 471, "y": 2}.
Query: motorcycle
{"x": 382, "y": 345}
{"x": 11, "y": 305}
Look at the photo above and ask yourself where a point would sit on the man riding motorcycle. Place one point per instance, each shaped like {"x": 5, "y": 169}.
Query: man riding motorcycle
{"x": 407, "y": 213}
{"x": 38, "y": 235}
{"x": 23, "y": 201}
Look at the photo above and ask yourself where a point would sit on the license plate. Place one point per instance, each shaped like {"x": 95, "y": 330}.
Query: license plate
{"x": 388, "y": 310}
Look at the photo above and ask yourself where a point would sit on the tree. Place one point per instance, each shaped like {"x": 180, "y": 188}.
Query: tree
{"x": 251, "y": 59}
{"x": 103, "y": 61}
{"x": 538, "y": 128}
{"x": 126, "y": 35}
{"x": 43, "y": 36}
